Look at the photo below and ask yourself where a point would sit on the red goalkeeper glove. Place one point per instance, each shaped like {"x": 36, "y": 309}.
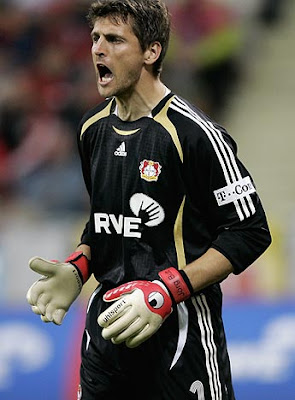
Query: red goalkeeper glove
{"x": 52, "y": 295}
{"x": 142, "y": 306}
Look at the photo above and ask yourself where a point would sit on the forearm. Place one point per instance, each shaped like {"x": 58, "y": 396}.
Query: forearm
{"x": 210, "y": 268}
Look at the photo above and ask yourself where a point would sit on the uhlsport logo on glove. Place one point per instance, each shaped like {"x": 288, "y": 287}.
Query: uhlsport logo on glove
{"x": 114, "y": 311}
{"x": 146, "y": 305}
{"x": 156, "y": 300}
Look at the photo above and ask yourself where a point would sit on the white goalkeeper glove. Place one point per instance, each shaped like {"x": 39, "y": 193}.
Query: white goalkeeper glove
{"x": 52, "y": 295}
{"x": 142, "y": 306}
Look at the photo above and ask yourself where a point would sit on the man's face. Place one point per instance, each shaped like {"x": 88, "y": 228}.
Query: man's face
{"x": 117, "y": 57}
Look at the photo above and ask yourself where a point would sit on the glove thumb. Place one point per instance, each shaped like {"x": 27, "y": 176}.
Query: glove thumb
{"x": 42, "y": 266}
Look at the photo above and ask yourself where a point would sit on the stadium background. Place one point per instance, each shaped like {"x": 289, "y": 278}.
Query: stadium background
{"x": 236, "y": 60}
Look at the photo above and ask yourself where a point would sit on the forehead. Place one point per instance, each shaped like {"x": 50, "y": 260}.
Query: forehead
{"x": 109, "y": 24}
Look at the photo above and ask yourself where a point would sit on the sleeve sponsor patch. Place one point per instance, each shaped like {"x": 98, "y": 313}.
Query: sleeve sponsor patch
{"x": 235, "y": 191}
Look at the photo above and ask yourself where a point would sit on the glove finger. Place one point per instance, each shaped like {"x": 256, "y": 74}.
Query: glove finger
{"x": 54, "y": 314}
{"x": 42, "y": 266}
{"x": 45, "y": 319}
{"x": 42, "y": 302}
{"x": 134, "y": 329}
{"x": 142, "y": 336}
{"x": 112, "y": 313}
{"x": 119, "y": 325}
{"x": 58, "y": 316}
{"x": 36, "y": 310}
{"x": 31, "y": 298}
{"x": 33, "y": 293}
{"x": 49, "y": 311}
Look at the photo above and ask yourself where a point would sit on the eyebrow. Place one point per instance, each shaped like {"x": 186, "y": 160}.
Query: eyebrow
{"x": 94, "y": 33}
{"x": 107, "y": 35}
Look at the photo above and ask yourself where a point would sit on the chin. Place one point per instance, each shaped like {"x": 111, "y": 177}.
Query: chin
{"x": 105, "y": 92}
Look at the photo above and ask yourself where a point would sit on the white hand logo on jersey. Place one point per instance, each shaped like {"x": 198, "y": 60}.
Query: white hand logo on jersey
{"x": 144, "y": 207}
{"x": 146, "y": 210}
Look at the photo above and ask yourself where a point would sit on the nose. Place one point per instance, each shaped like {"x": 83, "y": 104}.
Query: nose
{"x": 98, "y": 48}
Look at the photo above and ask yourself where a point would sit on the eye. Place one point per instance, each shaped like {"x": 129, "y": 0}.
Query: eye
{"x": 156, "y": 300}
{"x": 95, "y": 38}
{"x": 114, "y": 39}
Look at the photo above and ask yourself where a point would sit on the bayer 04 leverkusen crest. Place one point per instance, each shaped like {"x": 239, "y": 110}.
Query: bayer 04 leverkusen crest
{"x": 150, "y": 170}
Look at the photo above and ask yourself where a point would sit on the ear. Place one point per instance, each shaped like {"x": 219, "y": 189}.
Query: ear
{"x": 152, "y": 53}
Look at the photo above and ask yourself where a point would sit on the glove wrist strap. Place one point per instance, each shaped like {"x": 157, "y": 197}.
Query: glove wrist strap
{"x": 177, "y": 284}
{"x": 81, "y": 263}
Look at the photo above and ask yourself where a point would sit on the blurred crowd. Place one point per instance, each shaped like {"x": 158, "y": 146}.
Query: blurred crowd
{"x": 47, "y": 83}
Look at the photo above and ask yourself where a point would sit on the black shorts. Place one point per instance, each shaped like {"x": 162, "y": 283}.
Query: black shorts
{"x": 185, "y": 359}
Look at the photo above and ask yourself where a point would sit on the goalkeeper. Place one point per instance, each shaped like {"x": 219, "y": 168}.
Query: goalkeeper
{"x": 173, "y": 212}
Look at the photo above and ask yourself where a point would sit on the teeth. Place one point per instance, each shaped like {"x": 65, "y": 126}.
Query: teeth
{"x": 107, "y": 78}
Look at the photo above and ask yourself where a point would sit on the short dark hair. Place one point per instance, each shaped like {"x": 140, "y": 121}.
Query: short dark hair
{"x": 150, "y": 21}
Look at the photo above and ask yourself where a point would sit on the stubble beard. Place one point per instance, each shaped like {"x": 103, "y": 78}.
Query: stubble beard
{"x": 123, "y": 90}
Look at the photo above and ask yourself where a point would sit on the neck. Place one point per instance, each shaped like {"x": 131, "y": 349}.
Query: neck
{"x": 141, "y": 100}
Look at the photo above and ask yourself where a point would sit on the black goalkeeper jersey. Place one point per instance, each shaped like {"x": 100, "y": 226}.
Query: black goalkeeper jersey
{"x": 164, "y": 189}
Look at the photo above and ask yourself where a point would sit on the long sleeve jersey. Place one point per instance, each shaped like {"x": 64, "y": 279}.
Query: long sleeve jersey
{"x": 163, "y": 190}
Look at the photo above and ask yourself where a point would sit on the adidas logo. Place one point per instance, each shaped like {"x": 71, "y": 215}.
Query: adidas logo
{"x": 121, "y": 150}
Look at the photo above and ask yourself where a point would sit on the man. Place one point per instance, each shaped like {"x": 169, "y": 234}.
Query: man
{"x": 173, "y": 213}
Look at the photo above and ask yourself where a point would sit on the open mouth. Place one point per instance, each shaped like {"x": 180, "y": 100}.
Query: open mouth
{"x": 105, "y": 74}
